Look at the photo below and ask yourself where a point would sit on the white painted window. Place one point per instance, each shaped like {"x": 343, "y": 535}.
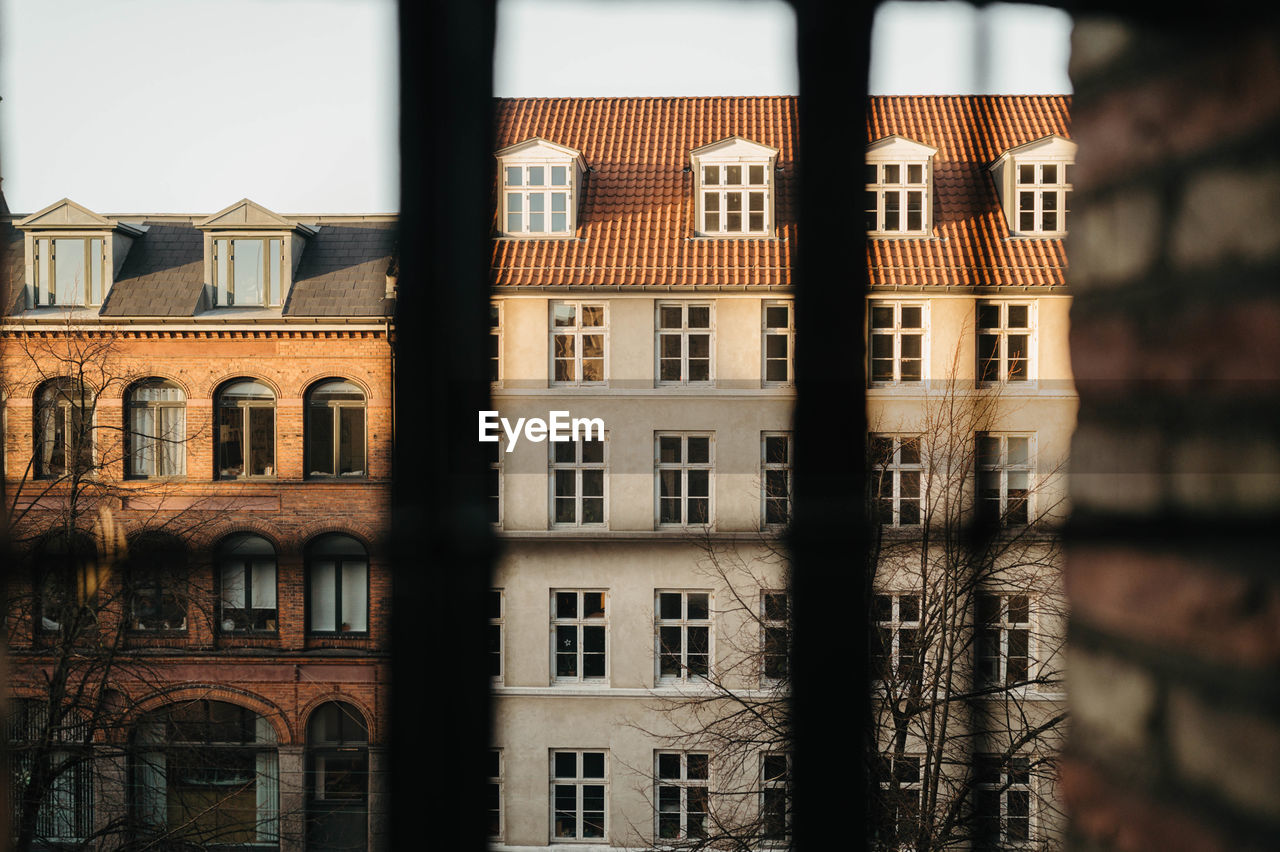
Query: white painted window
{"x": 579, "y": 332}
{"x": 579, "y": 636}
{"x": 685, "y": 462}
{"x": 247, "y": 271}
{"x": 734, "y": 199}
{"x": 775, "y": 629}
{"x": 1044, "y": 196}
{"x": 895, "y": 652}
{"x": 495, "y": 341}
{"x": 493, "y": 810}
{"x": 681, "y": 795}
{"x": 70, "y": 271}
{"x": 898, "y": 335}
{"x": 775, "y": 477}
{"x": 1005, "y": 471}
{"x": 578, "y": 482}
{"x": 1006, "y": 334}
{"x": 1003, "y": 801}
{"x": 1003, "y": 646}
{"x": 898, "y": 478}
{"x": 683, "y": 627}
{"x": 537, "y": 199}
{"x": 775, "y": 796}
{"x": 685, "y": 335}
{"x": 897, "y": 198}
{"x": 779, "y": 343}
{"x": 496, "y": 610}
{"x": 157, "y": 433}
{"x": 493, "y": 482}
{"x": 579, "y": 795}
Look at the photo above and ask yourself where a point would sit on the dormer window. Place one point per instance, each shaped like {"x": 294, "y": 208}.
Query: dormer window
{"x": 541, "y": 189}
{"x": 897, "y": 199}
{"x": 1034, "y": 183}
{"x": 734, "y": 188}
{"x": 72, "y": 255}
{"x": 250, "y": 256}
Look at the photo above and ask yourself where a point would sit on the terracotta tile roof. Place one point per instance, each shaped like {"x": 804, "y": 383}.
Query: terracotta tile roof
{"x": 970, "y": 244}
{"x": 636, "y": 224}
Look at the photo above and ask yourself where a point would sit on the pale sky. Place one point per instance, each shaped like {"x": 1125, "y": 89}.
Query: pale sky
{"x": 158, "y": 106}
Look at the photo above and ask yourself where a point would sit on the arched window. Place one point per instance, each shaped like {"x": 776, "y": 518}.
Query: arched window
{"x": 67, "y": 577}
{"x": 246, "y": 431}
{"x": 156, "y": 574}
{"x": 337, "y": 778}
{"x": 247, "y": 583}
{"x": 52, "y": 742}
{"x": 63, "y": 429}
{"x": 337, "y": 585}
{"x": 205, "y": 773}
{"x": 157, "y": 429}
{"x": 335, "y": 429}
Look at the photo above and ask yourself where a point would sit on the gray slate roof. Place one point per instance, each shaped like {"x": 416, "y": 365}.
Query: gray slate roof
{"x": 342, "y": 272}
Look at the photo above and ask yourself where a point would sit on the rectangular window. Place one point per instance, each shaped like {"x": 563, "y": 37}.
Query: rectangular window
{"x": 775, "y": 625}
{"x": 779, "y": 343}
{"x": 684, "y": 465}
{"x": 775, "y": 796}
{"x": 495, "y": 341}
{"x": 537, "y": 199}
{"x": 496, "y": 607}
{"x": 1003, "y": 647}
{"x": 1004, "y": 341}
{"x": 735, "y": 199}
{"x": 1003, "y": 801}
{"x": 1004, "y": 478}
{"x": 683, "y": 621}
{"x": 577, "y": 482}
{"x": 775, "y": 472}
{"x": 897, "y": 342}
{"x": 578, "y": 335}
{"x": 895, "y": 651}
{"x": 70, "y": 271}
{"x": 247, "y": 271}
{"x": 684, "y": 343}
{"x": 248, "y": 595}
{"x": 898, "y": 477}
{"x": 579, "y": 795}
{"x": 895, "y": 198}
{"x": 681, "y": 794}
{"x": 579, "y": 636}
{"x": 493, "y": 479}
{"x": 339, "y": 596}
{"x": 1044, "y": 197}
{"x": 493, "y": 794}
{"x": 898, "y": 811}
{"x": 158, "y": 600}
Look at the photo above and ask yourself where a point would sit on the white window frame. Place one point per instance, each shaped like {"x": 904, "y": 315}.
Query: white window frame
{"x": 684, "y": 467}
{"x": 1005, "y": 608}
{"x": 580, "y": 781}
{"x": 44, "y": 269}
{"x": 683, "y": 334}
{"x": 494, "y": 472}
{"x": 495, "y": 342}
{"x": 785, "y": 468}
{"x": 892, "y": 181}
{"x": 733, "y": 188}
{"x": 545, "y": 192}
{"x": 273, "y": 292}
{"x": 685, "y": 780}
{"x": 1003, "y": 469}
{"x": 1002, "y": 786}
{"x": 683, "y": 623}
{"x": 887, "y": 461}
{"x": 579, "y": 624}
{"x": 1002, "y": 331}
{"x": 578, "y": 469}
{"x": 896, "y": 332}
{"x": 500, "y": 622}
{"x": 770, "y": 784}
{"x": 771, "y": 623}
{"x": 1059, "y": 186}
{"x": 785, "y": 333}
{"x": 894, "y": 625}
{"x": 575, "y": 332}
{"x": 891, "y": 782}
{"x": 496, "y": 782}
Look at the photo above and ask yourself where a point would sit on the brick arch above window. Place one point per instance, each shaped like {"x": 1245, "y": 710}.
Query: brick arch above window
{"x": 123, "y": 389}
{"x": 220, "y": 532}
{"x": 371, "y": 720}
{"x": 267, "y": 709}
{"x": 216, "y": 386}
{"x": 316, "y": 379}
{"x": 362, "y": 533}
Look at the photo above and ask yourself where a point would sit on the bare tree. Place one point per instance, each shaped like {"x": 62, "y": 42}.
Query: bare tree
{"x": 966, "y": 627}
{"x": 102, "y": 567}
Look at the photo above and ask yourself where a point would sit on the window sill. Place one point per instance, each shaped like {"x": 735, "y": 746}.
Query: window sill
{"x": 271, "y": 478}
{"x": 144, "y": 633}
{"x": 764, "y": 237}
{"x": 518, "y": 237}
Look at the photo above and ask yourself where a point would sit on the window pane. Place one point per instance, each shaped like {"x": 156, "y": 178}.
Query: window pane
{"x": 273, "y": 271}
{"x": 70, "y": 285}
{"x": 699, "y": 450}
{"x": 230, "y": 441}
{"x": 319, "y": 440}
{"x": 514, "y": 175}
{"x": 247, "y": 272}
{"x": 536, "y": 176}
{"x": 323, "y": 603}
{"x": 711, "y": 175}
{"x": 566, "y": 604}
{"x": 355, "y": 599}
{"x": 1027, "y": 173}
{"x": 351, "y": 440}
{"x": 891, "y": 173}
{"x": 733, "y": 175}
{"x": 95, "y": 272}
{"x": 559, "y": 176}
{"x": 262, "y": 441}
{"x": 915, "y": 173}
{"x": 264, "y": 584}
{"x": 233, "y": 586}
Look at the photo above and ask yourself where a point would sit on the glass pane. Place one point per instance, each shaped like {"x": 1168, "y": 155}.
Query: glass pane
{"x": 230, "y": 441}
{"x": 44, "y": 289}
{"x": 1019, "y": 451}
{"x": 669, "y": 316}
{"x": 593, "y": 604}
{"x": 669, "y": 604}
{"x": 1049, "y": 173}
{"x": 559, "y": 176}
{"x": 248, "y": 261}
{"x": 566, "y": 766}
{"x": 1027, "y": 173}
{"x": 273, "y": 271}
{"x": 95, "y": 272}
{"x": 323, "y": 603}
{"x": 355, "y": 597}
{"x": 915, "y": 173}
{"x": 536, "y": 176}
{"x": 566, "y": 604}
{"x": 70, "y": 285}
{"x": 699, "y": 605}
{"x": 264, "y": 585}
{"x": 776, "y": 316}
{"x": 755, "y": 175}
{"x": 892, "y": 172}
{"x": 699, "y": 450}
{"x": 514, "y": 175}
{"x": 711, "y": 175}
{"x": 320, "y": 440}
{"x": 733, "y": 175}
{"x": 699, "y": 316}
{"x": 351, "y": 440}
{"x": 775, "y": 449}
{"x": 669, "y": 449}
{"x": 593, "y": 452}
{"x": 232, "y": 587}
{"x": 262, "y": 441}
{"x": 669, "y": 767}
{"x": 882, "y": 316}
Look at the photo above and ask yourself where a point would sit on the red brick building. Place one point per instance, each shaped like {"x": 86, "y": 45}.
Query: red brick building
{"x": 197, "y": 439}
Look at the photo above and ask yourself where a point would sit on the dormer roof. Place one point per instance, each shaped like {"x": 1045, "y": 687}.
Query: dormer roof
{"x": 895, "y": 146}
{"x": 537, "y": 148}
{"x": 246, "y": 215}
{"x": 66, "y": 215}
{"x": 734, "y": 147}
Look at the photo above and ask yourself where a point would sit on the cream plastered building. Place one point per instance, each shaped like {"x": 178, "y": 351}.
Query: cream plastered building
{"x": 642, "y": 278}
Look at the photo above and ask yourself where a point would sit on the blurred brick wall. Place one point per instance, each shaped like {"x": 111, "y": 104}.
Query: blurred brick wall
{"x": 1173, "y": 566}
